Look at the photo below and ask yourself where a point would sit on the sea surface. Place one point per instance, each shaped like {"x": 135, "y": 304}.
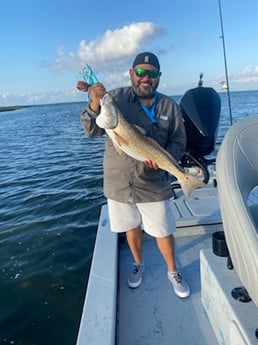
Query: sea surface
{"x": 50, "y": 201}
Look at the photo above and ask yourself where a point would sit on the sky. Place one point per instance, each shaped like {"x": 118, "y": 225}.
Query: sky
{"x": 45, "y": 45}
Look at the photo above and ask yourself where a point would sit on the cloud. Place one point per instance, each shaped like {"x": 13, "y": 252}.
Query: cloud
{"x": 118, "y": 44}
{"x": 249, "y": 74}
{"x": 52, "y": 96}
{"x": 114, "y": 47}
{"x": 244, "y": 79}
{"x": 4, "y": 95}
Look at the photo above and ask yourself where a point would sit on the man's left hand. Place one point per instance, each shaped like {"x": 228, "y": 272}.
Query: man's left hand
{"x": 151, "y": 164}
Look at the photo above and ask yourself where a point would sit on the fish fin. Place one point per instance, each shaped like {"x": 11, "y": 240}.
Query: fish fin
{"x": 119, "y": 142}
{"x": 117, "y": 148}
{"x": 99, "y": 122}
{"x": 140, "y": 129}
{"x": 189, "y": 183}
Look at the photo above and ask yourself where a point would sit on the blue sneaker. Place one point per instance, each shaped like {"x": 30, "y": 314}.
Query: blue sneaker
{"x": 135, "y": 277}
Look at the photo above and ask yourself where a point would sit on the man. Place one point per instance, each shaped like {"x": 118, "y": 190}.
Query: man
{"x": 138, "y": 193}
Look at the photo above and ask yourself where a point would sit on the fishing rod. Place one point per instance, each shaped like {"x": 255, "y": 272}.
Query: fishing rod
{"x": 225, "y": 62}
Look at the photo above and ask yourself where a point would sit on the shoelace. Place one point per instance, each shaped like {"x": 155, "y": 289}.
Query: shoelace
{"x": 177, "y": 277}
{"x": 135, "y": 269}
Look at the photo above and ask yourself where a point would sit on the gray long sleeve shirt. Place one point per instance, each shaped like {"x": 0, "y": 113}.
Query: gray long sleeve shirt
{"x": 125, "y": 177}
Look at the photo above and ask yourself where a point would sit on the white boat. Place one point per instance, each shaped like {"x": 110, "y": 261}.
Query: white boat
{"x": 152, "y": 314}
{"x": 224, "y": 86}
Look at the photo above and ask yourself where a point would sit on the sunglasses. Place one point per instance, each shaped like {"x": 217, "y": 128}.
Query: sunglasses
{"x": 141, "y": 72}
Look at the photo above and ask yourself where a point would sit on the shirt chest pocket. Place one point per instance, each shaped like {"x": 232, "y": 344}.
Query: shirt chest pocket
{"x": 160, "y": 132}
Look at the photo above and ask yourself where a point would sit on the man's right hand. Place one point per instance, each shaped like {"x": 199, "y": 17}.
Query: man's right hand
{"x": 96, "y": 92}
{"x": 82, "y": 86}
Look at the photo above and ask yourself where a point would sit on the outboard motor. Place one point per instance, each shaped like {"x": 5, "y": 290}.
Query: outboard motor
{"x": 200, "y": 108}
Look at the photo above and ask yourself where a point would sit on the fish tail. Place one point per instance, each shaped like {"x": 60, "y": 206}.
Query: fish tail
{"x": 189, "y": 183}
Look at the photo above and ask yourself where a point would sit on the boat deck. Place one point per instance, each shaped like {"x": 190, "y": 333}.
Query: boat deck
{"x": 153, "y": 314}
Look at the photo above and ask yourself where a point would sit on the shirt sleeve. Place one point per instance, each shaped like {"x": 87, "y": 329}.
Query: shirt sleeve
{"x": 88, "y": 118}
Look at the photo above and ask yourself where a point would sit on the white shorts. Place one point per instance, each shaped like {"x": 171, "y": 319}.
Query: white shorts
{"x": 156, "y": 218}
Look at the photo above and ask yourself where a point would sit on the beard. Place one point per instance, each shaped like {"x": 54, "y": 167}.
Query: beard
{"x": 148, "y": 93}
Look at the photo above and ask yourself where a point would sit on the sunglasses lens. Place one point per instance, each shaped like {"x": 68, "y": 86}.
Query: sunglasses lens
{"x": 141, "y": 72}
{"x": 153, "y": 73}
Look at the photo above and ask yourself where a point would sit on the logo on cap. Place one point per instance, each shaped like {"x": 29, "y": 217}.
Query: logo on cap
{"x": 146, "y": 59}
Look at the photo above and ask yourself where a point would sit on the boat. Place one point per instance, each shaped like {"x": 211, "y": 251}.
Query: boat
{"x": 224, "y": 86}
{"x": 152, "y": 314}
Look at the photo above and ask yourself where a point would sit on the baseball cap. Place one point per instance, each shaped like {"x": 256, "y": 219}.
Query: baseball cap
{"x": 146, "y": 58}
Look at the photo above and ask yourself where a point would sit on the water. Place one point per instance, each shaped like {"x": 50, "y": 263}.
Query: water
{"x": 51, "y": 195}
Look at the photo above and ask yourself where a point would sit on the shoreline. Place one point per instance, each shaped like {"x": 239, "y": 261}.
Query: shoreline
{"x": 15, "y": 107}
